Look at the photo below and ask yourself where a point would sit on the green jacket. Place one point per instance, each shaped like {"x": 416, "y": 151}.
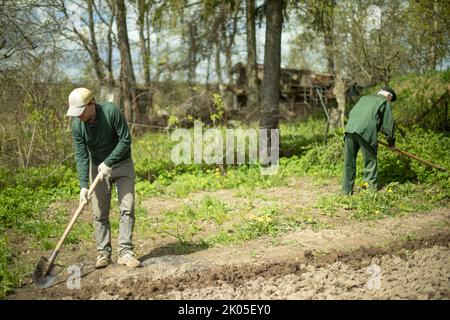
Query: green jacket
{"x": 370, "y": 115}
{"x": 108, "y": 140}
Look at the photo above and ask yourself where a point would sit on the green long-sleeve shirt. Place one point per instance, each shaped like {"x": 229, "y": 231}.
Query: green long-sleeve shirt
{"x": 369, "y": 116}
{"x": 108, "y": 140}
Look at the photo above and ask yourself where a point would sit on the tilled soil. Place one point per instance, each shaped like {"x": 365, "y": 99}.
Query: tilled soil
{"x": 425, "y": 274}
{"x": 418, "y": 269}
{"x": 411, "y": 270}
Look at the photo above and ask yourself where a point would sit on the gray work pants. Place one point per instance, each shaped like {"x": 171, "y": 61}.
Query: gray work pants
{"x": 122, "y": 177}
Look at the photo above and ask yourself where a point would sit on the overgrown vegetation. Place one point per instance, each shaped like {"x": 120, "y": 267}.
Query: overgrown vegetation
{"x": 9, "y": 277}
{"x": 425, "y": 100}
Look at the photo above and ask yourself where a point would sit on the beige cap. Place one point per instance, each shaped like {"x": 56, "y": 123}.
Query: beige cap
{"x": 78, "y": 99}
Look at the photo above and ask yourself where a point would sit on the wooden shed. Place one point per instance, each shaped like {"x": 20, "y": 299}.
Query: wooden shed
{"x": 297, "y": 86}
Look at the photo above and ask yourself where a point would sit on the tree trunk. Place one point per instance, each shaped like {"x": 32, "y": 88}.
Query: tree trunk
{"x": 157, "y": 48}
{"x": 208, "y": 70}
{"x": 97, "y": 61}
{"x": 434, "y": 41}
{"x": 192, "y": 52}
{"x": 339, "y": 91}
{"x": 334, "y": 65}
{"x": 218, "y": 68}
{"x": 145, "y": 55}
{"x": 218, "y": 62}
{"x": 110, "y": 43}
{"x": 228, "y": 61}
{"x": 147, "y": 44}
{"x": 229, "y": 36}
{"x": 329, "y": 48}
{"x": 127, "y": 79}
{"x": 252, "y": 73}
{"x": 272, "y": 59}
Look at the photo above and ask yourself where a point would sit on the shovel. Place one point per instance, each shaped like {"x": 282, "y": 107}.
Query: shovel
{"x": 45, "y": 274}
{"x": 410, "y": 155}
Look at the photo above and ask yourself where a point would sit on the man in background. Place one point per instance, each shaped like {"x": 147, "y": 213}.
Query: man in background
{"x": 369, "y": 116}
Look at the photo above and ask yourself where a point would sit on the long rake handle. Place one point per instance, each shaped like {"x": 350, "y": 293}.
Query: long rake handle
{"x": 72, "y": 222}
{"x": 409, "y": 155}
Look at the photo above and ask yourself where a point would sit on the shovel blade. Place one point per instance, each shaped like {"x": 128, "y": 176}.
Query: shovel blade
{"x": 44, "y": 275}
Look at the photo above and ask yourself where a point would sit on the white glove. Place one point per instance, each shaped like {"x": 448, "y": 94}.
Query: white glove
{"x": 84, "y": 195}
{"x": 104, "y": 171}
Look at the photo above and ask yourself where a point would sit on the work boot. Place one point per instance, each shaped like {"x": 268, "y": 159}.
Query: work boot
{"x": 129, "y": 259}
{"x": 103, "y": 259}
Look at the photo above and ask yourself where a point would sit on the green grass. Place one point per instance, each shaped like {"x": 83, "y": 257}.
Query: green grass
{"x": 9, "y": 276}
{"x": 270, "y": 221}
{"x": 210, "y": 222}
{"x": 157, "y": 175}
{"x": 188, "y": 221}
{"x": 26, "y": 196}
{"x": 409, "y": 237}
{"x": 368, "y": 205}
{"x": 25, "y": 208}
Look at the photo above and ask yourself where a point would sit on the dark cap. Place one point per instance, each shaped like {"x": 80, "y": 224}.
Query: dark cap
{"x": 391, "y": 91}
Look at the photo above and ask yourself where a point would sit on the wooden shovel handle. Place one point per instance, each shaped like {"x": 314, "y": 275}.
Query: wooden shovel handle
{"x": 410, "y": 155}
{"x": 73, "y": 220}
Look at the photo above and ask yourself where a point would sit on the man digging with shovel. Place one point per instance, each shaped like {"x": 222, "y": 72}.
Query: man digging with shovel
{"x": 370, "y": 115}
{"x": 102, "y": 144}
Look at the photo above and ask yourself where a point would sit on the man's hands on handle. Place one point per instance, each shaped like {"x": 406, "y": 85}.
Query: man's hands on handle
{"x": 104, "y": 171}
